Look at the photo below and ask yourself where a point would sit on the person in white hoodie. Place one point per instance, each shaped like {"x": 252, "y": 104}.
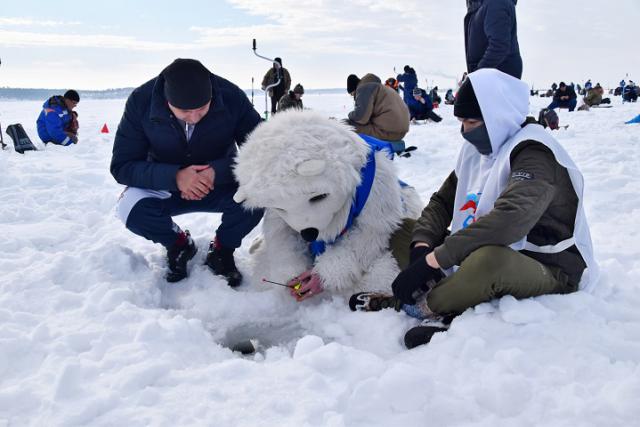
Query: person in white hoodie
{"x": 515, "y": 211}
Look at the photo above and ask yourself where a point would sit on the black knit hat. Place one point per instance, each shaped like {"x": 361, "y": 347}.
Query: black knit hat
{"x": 466, "y": 104}
{"x": 352, "y": 83}
{"x": 187, "y": 84}
{"x": 72, "y": 95}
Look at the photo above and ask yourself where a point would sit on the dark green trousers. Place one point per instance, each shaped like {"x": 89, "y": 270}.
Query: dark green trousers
{"x": 492, "y": 272}
{"x": 487, "y": 273}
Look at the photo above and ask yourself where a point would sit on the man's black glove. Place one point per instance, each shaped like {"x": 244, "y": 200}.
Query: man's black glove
{"x": 419, "y": 251}
{"x": 414, "y": 278}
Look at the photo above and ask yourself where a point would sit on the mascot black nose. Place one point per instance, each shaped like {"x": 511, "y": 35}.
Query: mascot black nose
{"x": 309, "y": 234}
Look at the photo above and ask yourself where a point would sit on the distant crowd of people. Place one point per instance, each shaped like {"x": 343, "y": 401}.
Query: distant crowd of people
{"x": 566, "y": 95}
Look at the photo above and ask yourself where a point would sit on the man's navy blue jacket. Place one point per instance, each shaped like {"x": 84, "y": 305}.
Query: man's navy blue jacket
{"x": 491, "y": 36}
{"x": 150, "y": 146}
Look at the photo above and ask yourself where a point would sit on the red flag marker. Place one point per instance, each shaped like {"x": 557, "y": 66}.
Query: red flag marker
{"x": 105, "y": 129}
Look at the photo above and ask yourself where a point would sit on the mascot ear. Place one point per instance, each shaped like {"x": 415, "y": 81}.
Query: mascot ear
{"x": 239, "y": 197}
{"x": 311, "y": 167}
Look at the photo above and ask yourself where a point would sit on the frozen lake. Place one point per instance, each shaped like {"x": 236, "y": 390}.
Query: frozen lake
{"x": 91, "y": 334}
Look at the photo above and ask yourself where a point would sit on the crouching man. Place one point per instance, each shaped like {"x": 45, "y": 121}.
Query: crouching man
{"x": 174, "y": 149}
{"x": 514, "y": 204}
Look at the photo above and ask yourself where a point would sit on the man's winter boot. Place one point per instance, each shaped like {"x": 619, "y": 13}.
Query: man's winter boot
{"x": 178, "y": 255}
{"x": 221, "y": 262}
{"x": 422, "y": 334}
{"x": 373, "y": 301}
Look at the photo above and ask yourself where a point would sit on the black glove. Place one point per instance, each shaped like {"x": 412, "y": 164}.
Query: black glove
{"x": 414, "y": 278}
{"x": 419, "y": 251}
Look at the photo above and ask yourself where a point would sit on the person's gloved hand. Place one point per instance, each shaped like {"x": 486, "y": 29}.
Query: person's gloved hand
{"x": 419, "y": 251}
{"x": 414, "y": 278}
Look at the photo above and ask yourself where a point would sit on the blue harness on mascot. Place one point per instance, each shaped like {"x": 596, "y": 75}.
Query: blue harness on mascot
{"x": 368, "y": 173}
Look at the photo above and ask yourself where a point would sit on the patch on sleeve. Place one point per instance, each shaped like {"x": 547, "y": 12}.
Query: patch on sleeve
{"x": 521, "y": 175}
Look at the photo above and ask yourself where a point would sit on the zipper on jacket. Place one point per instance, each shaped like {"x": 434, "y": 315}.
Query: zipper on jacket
{"x": 185, "y": 142}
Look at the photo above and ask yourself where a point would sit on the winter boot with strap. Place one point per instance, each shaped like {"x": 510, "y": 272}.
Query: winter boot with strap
{"x": 178, "y": 255}
{"x": 373, "y": 301}
{"x": 221, "y": 262}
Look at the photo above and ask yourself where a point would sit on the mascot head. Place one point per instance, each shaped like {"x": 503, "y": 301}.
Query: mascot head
{"x": 305, "y": 168}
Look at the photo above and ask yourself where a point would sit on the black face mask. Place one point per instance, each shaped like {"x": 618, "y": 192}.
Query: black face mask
{"x": 479, "y": 138}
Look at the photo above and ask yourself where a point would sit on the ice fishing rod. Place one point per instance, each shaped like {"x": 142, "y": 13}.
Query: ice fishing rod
{"x": 266, "y": 89}
{"x": 275, "y": 283}
{"x": 295, "y": 287}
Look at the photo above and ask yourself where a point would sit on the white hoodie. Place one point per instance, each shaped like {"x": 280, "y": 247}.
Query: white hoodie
{"x": 504, "y": 102}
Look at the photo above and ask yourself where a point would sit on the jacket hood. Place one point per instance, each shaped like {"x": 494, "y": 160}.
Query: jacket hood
{"x": 504, "y": 102}
{"x": 369, "y": 78}
{"x": 55, "y": 101}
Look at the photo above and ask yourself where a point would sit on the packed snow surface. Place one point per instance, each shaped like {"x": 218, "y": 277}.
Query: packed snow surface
{"x": 91, "y": 334}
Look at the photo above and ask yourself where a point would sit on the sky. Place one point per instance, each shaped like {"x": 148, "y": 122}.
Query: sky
{"x": 101, "y": 45}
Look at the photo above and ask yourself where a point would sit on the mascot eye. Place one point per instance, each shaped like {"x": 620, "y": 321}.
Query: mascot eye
{"x": 317, "y": 198}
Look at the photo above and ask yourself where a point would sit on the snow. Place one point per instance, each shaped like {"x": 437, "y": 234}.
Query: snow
{"x": 91, "y": 334}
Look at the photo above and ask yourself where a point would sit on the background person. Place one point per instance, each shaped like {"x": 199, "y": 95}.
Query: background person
{"x": 56, "y": 118}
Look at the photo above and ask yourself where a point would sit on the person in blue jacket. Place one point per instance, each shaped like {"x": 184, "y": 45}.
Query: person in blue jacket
{"x": 491, "y": 36}
{"x": 409, "y": 79}
{"x": 421, "y": 107}
{"x": 630, "y": 92}
{"x": 564, "y": 97}
{"x": 55, "y": 119}
{"x": 174, "y": 150}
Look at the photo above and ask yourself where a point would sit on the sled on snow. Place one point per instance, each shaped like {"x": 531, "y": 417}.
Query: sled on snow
{"x": 393, "y": 148}
{"x": 636, "y": 119}
{"x": 400, "y": 149}
{"x": 21, "y": 141}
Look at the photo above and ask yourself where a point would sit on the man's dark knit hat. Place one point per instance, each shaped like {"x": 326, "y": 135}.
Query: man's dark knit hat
{"x": 187, "y": 84}
{"x": 72, "y": 95}
{"x": 466, "y": 105}
{"x": 352, "y": 83}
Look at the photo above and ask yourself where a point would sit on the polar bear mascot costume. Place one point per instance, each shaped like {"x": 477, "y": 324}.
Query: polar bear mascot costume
{"x": 332, "y": 201}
